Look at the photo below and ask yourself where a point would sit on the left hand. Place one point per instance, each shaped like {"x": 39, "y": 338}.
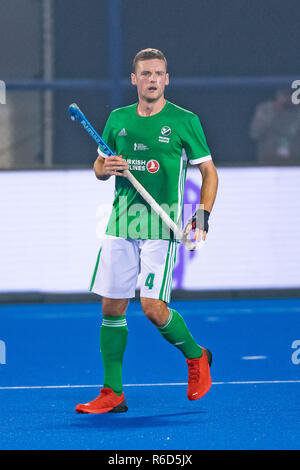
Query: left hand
{"x": 199, "y": 223}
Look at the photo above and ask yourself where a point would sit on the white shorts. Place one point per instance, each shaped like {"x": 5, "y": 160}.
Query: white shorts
{"x": 121, "y": 260}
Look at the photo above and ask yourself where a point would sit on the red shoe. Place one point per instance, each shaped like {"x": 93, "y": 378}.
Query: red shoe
{"x": 106, "y": 402}
{"x": 199, "y": 381}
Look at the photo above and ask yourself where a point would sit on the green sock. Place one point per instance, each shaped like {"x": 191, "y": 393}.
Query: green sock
{"x": 113, "y": 341}
{"x": 176, "y": 332}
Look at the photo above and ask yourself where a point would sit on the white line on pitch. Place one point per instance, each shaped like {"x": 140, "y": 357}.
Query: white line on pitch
{"x": 253, "y": 358}
{"x": 251, "y": 382}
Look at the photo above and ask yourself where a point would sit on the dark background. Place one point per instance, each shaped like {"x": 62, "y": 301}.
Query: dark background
{"x": 96, "y": 40}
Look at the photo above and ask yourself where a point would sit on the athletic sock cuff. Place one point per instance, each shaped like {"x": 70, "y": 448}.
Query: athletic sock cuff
{"x": 114, "y": 322}
{"x": 169, "y": 320}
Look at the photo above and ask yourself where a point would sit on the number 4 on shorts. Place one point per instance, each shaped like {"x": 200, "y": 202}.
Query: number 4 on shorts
{"x": 149, "y": 281}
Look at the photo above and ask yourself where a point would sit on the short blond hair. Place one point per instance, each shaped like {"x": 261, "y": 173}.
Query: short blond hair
{"x": 148, "y": 54}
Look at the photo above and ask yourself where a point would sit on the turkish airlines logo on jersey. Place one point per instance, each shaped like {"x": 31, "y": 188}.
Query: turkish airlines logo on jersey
{"x": 152, "y": 166}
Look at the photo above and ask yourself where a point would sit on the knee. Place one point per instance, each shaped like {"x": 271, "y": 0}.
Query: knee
{"x": 156, "y": 311}
{"x": 113, "y": 307}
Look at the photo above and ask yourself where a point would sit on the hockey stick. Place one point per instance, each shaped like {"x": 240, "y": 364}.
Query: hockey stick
{"x": 77, "y": 115}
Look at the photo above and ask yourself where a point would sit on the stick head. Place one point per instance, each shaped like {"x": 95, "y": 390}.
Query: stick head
{"x": 74, "y": 112}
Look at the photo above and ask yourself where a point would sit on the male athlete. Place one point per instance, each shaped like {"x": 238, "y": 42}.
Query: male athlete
{"x": 155, "y": 140}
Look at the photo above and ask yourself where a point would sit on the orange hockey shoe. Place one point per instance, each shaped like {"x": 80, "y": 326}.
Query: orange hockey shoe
{"x": 199, "y": 380}
{"x": 106, "y": 402}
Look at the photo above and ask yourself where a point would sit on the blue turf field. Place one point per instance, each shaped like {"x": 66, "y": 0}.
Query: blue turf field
{"x": 52, "y": 356}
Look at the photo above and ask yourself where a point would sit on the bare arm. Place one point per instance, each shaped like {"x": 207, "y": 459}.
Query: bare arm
{"x": 208, "y": 194}
{"x": 209, "y": 184}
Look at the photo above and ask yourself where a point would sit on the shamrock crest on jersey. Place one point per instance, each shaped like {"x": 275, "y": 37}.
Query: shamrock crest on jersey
{"x": 166, "y": 130}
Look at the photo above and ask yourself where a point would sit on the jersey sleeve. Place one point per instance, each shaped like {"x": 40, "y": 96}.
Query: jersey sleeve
{"x": 194, "y": 142}
{"x": 108, "y": 137}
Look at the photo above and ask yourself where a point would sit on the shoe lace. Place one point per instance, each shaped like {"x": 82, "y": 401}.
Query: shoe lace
{"x": 194, "y": 373}
{"x": 104, "y": 391}
{"x": 103, "y": 394}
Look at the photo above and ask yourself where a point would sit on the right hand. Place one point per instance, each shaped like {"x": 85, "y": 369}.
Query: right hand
{"x": 114, "y": 165}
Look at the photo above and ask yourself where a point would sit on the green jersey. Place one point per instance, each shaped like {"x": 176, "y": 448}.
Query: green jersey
{"x": 157, "y": 149}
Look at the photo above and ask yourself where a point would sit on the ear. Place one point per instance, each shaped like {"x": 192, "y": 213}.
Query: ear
{"x": 167, "y": 79}
{"x": 133, "y": 79}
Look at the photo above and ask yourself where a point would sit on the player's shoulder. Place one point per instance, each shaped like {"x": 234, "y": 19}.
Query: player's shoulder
{"x": 123, "y": 111}
{"x": 182, "y": 113}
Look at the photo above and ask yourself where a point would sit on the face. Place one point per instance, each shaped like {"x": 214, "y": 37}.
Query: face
{"x": 150, "y": 79}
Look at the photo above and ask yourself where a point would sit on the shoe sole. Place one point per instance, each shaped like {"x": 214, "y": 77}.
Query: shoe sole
{"x": 121, "y": 408}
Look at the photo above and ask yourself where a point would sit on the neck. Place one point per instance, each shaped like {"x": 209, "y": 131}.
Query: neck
{"x": 146, "y": 108}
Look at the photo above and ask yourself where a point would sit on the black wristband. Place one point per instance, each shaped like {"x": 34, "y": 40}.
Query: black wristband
{"x": 200, "y": 220}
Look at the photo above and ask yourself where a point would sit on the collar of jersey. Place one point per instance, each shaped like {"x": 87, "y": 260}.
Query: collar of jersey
{"x": 153, "y": 115}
